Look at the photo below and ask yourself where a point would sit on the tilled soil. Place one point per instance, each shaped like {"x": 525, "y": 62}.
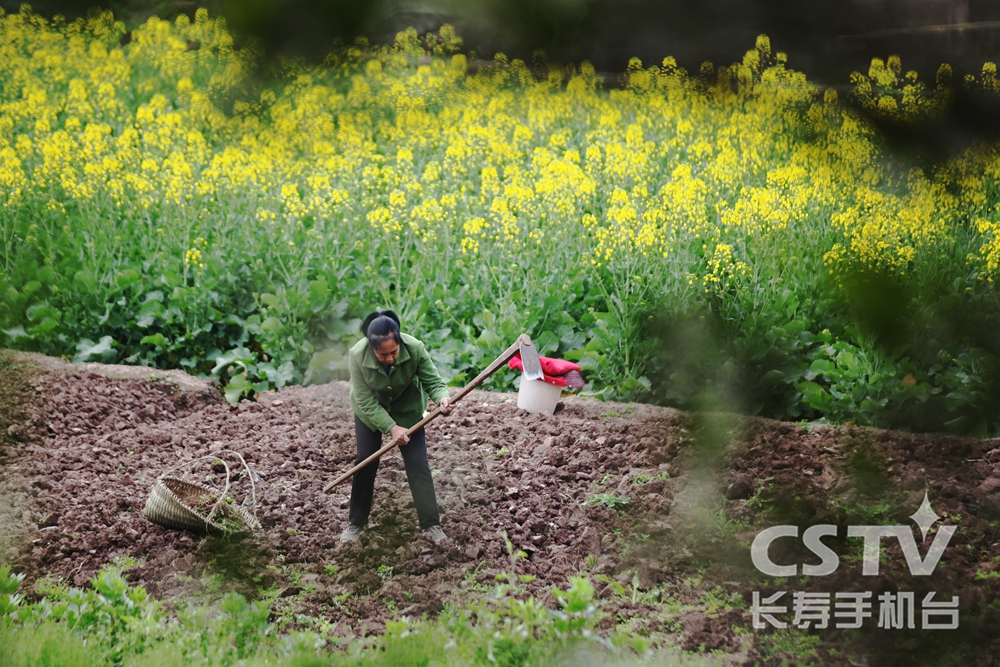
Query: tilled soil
{"x": 657, "y": 503}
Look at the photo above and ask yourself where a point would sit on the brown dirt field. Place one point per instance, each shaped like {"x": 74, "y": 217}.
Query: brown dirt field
{"x": 80, "y": 448}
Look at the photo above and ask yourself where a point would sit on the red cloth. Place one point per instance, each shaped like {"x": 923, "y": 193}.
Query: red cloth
{"x": 554, "y": 370}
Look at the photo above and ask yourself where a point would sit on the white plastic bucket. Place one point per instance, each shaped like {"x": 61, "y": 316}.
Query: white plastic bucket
{"x": 538, "y": 396}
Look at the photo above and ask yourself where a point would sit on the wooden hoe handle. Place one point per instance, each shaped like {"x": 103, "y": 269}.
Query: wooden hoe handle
{"x": 490, "y": 370}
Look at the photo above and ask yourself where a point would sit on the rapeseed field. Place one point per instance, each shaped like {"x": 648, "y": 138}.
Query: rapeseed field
{"x": 682, "y": 235}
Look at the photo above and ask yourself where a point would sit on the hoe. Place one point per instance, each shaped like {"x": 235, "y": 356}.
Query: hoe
{"x": 532, "y": 371}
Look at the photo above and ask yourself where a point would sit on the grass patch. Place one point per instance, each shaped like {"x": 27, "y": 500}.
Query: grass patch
{"x": 798, "y": 644}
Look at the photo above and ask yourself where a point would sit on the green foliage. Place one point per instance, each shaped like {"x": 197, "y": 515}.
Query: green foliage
{"x": 724, "y": 526}
{"x": 800, "y": 645}
{"x": 43, "y": 645}
{"x": 244, "y": 625}
{"x": 115, "y": 621}
{"x": 506, "y": 630}
{"x": 9, "y": 598}
{"x": 876, "y": 510}
{"x": 762, "y": 497}
{"x": 405, "y": 644}
{"x": 114, "y": 618}
{"x": 718, "y": 599}
{"x": 111, "y": 623}
{"x": 577, "y": 614}
{"x": 609, "y": 500}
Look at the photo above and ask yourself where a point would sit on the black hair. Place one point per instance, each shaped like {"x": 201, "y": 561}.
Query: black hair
{"x": 380, "y": 326}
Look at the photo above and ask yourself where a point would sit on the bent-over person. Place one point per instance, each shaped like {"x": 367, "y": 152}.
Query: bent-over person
{"x": 392, "y": 376}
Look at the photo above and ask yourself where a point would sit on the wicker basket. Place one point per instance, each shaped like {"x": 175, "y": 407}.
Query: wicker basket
{"x": 172, "y": 503}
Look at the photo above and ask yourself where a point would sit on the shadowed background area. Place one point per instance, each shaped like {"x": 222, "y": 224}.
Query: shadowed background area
{"x": 826, "y": 39}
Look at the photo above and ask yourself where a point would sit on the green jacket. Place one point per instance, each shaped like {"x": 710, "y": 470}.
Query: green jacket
{"x": 383, "y": 400}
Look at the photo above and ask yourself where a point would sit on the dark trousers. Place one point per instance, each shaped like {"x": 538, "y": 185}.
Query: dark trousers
{"x": 418, "y": 474}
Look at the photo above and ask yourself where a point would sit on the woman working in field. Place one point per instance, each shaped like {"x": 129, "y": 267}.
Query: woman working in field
{"x": 391, "y": 378}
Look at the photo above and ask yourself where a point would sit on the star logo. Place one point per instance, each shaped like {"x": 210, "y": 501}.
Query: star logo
{"x": 925, "y": 517}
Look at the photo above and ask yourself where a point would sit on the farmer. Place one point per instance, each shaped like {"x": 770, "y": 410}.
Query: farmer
{"x": 391, "y": 378}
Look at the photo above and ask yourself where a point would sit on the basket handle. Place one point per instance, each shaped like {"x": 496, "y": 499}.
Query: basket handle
{"x": 215, "y": 456}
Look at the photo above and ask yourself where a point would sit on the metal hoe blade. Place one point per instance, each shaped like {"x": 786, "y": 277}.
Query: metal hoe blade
{"x": 532, "y": 367}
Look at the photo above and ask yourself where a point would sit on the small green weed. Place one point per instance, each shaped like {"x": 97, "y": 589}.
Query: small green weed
{"x": 718, "y": 599}
{"x": 471, "y": 581}
{"x": 643, "y": 477}
{"x": 633, "y": 592}
{"x": 883, "y": 555}
{"x": 757, "y": 502}
{"x": 609, "y": 500}
{"x": 723, "y": 526}
{"x": 875, "y": 511}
